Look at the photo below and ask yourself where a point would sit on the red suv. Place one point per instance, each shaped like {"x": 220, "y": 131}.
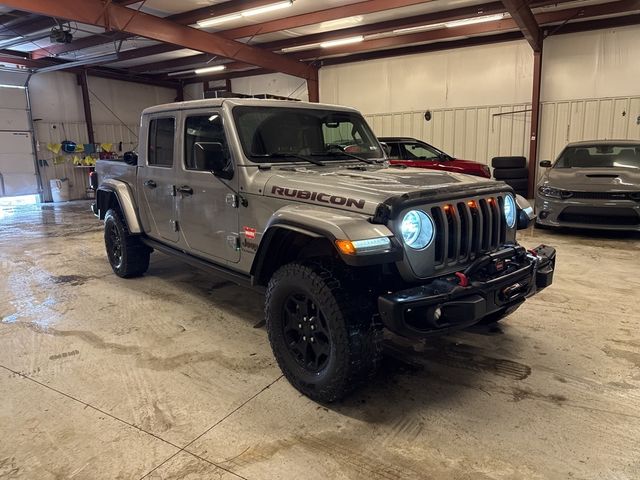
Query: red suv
{"x": 414, "y": 153}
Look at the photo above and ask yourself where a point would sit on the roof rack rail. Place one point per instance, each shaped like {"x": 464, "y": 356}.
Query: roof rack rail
{"x": 226, "y": 94}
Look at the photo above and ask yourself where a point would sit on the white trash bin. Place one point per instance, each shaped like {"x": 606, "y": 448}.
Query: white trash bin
{"x": 59, "y": 189}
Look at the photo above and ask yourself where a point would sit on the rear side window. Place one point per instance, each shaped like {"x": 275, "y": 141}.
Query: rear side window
{"x": 161, "y": 137}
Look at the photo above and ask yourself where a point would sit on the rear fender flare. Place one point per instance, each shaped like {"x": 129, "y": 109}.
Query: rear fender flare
{"x": 124, "y": 197}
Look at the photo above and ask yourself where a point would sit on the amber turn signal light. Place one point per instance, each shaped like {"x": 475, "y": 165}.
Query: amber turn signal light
{"x": 346, "y": 247}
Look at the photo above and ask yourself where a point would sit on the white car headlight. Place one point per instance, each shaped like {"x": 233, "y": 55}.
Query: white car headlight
{"x": 510, "y": 211}
{"x": 417, "y": 229}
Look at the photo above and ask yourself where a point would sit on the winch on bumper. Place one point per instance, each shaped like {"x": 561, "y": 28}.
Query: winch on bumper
{"x": 494, "y": 282}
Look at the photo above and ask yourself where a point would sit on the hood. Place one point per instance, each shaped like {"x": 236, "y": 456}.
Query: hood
{"x": 593, "y": 179}
{"x": 361, "y": 189}
{"x": 470, "y": 163}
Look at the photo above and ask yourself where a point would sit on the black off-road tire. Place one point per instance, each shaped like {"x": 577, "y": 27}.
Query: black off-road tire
{"x": 510, "y": 173}
{"x": 128, "y": 256}
{"x": 347, "y": 311}
{"x": 508, "y": 162}
{"x": 518, "y": 183}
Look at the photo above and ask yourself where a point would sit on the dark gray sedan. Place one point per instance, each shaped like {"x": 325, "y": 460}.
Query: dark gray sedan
{"x": 593, "y": 184}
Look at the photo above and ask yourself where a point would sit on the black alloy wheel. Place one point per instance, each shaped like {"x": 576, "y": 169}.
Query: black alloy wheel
{"x": 306, "y": 332}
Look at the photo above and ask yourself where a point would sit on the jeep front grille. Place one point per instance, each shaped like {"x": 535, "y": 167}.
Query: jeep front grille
{"x": 467, "y": 228}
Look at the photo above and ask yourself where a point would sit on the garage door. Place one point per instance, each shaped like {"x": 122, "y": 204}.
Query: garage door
{"x": 18, "y": 175}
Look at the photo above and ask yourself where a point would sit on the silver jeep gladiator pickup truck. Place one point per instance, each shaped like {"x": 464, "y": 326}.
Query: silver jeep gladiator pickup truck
{"x": 298, "y": 200}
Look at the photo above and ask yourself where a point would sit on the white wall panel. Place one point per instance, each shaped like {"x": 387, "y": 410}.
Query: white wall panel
{"x": 274, "y": 84}
{"x": 596, "y": 64}
{"x": 56, "y": 97}
{"x": 474, "y": 133}
{"x": 499, "y": 74}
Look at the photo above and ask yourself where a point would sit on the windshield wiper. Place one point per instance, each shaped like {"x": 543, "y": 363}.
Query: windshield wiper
{"x": 289, "y": 155}
{"x": 335, "y": 153}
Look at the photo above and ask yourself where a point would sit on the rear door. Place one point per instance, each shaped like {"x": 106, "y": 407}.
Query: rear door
{"x": 156, "y": 175}
{"x": 207, "y": 208}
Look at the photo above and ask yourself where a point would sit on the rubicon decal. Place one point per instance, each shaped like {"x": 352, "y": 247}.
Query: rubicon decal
{"x": 318, "y": 197}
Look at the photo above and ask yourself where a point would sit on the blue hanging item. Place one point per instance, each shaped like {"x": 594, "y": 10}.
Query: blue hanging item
{"x": 89, "y": 148}
{"x": 68, "y": 147}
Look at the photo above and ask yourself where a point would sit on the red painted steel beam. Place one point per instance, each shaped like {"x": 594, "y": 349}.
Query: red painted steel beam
{"x": 523, "y": 16}
{"x": 116, "y": 17}
{"x": 444, "y": 16}
{"x": 86, "y": 104}
{"x": 185, "y": 18}
{"x": 535, "y": 121}
{"x": 424, "y": 48}
{"x": 311, "y": 18}
{"x": 92, "y": 71}
{"x": 544, "y": 18}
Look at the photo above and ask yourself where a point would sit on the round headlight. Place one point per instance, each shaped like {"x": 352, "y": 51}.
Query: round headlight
{"x": 417, "y": 229}
{"x": 510, "y": 211}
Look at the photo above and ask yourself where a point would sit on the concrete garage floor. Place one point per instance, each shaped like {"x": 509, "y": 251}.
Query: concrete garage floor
{"x": 164, "y": 377}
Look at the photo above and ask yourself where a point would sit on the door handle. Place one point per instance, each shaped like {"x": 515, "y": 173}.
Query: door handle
{"x": 150, "y": 184}
{"x": 185, "y": 190}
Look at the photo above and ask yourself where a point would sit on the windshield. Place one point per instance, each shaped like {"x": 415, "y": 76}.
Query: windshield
{"x": 600, "y": 156}
{"x": 279, "y": 134}
{"x": 419, "y": 151}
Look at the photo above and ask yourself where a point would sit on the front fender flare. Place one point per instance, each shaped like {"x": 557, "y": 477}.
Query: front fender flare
{"x": 125, "y": 200}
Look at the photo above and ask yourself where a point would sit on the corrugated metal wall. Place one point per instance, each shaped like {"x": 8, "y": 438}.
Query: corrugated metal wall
{"x": 472, "y": 133}
{"x": 48, "y": 132}
{"x": 590, "y": 119}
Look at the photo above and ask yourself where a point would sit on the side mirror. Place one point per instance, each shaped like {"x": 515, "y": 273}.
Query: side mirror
{"x": 386, "y": 148}
{"x": 525, "y": 213}
{"x": 545, "y": 163}
{"x": 211, "y": 156}
{"x": 130, "y": 158}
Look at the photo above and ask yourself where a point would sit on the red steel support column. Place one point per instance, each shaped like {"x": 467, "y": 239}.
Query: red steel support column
{"x": 535, "y": 121}
{"x": 313, "y": 87}
{"x": 82, "y": 81}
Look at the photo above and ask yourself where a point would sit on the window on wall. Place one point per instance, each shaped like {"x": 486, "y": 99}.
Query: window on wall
{"x": 202, "y": 129}
{"x": 161, "y": 138}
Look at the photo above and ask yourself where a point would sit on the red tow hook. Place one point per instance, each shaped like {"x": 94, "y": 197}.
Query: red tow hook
{"x": 463, "y": 280}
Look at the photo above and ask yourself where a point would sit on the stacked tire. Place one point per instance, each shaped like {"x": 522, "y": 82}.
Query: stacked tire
{"x": 512, "y": 171}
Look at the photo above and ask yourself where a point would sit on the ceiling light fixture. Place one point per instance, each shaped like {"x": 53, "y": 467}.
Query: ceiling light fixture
{"x": 342, "y": 41}
{"x": 472, "y": 21}
{"x": 209, "y": 22}
{"x": 299, "y": 48}
{"x": 421, "y": 28}
{"x": 181, "y": 72}
{"x": 215, "y": 68}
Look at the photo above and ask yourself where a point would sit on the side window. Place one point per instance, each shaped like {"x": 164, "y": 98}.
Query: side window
{"x": 161, "y": 137}
{"x": 202, "y": 129}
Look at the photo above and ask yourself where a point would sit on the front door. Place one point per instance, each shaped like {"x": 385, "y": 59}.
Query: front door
{"x": 207, "y": 210}
{"x": 156, "y": 180}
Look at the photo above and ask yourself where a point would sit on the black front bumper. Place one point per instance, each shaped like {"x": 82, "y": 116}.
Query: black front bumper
{"x": 495, "y": 282}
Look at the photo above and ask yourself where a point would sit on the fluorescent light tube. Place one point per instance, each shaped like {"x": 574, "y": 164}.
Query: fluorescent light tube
{"x": 471, "y": 21}
{"x": 299, "y": 48}
{"x": 421, "y": 28}
{"x": 215, "y": 68}
{"x": 11, "y": 86}
{"x": 209, "y": 22}
{"x": 342, "y": 41}
{"x": 266, "y": 8}
{"x": 181, "y": 72}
